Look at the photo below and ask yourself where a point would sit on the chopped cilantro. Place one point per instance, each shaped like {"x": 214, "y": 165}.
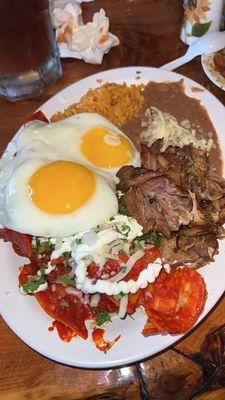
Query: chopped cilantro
{"x": 136, "y": 248}
{"x": 149, "y": 238}
{"x": 67, "y": 256}
{"x": 97, "y": 229}
{"x": 78, "y": 241}
{"x": 124, "y": 230}
{"x": 42, "y": 247}
{"x": 122, "y": 208}
{"x": 66, "y": 279}
{"x": 117, "y": 297}
{"x": 102, "y": 316}
{"x": 111, "y": 219}
{"x": 35, "y": 247}
{"x": 138, "y": 72}
{"x": 42, "y": 269}
{"x": 64, "y": 303}
{"x": 33, "y": 284}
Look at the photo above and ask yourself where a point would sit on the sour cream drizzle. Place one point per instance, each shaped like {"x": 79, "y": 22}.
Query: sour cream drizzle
{"x": 99, "y": 244}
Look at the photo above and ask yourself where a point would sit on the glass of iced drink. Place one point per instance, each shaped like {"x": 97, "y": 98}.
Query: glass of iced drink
{"x": 29, "y": 58}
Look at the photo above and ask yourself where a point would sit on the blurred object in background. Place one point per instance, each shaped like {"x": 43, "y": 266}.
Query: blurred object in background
{"x": 29, "y": 58}
{"x": 88, "y": 42}
{"x": 222, "y": 25}
{"x": 200, "y": 17}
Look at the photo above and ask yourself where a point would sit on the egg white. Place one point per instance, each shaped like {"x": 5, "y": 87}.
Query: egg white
{"x": 62, "y": 139}
{"x": 22, "y": 215}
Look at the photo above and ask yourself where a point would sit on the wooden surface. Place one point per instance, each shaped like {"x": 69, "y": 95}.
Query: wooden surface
{"x": 149, "y": 35}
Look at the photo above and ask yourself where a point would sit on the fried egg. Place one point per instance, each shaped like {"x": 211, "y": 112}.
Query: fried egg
{"x": 55, "y": 198}
{"x": 87, "y": 138}
{"x": 56, "y": 178}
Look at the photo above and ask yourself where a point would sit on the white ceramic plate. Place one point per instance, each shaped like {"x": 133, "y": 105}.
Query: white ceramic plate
{"x": 28, "y": 320}
{"x": 208, "y": 67}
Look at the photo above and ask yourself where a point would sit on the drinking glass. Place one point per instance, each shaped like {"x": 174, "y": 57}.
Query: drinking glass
{"x": 29, "y": 58}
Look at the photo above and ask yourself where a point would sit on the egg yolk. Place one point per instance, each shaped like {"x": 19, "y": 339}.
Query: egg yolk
{"x": 105, "y": 148}
{"x": 61, "y": 187}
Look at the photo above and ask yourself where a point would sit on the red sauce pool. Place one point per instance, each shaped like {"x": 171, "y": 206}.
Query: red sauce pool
{"x": 65, "y": 333}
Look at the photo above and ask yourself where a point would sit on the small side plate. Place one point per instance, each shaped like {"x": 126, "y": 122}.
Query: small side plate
{"x": 208, "y": 66}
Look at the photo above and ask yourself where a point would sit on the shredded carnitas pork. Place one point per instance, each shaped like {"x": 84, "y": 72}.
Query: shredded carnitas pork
{"x": 176, "y": 194}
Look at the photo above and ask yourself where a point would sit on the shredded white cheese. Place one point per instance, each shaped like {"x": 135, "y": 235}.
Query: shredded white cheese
{"x": 123, "y": 306}
{"x": 163, "y": 125}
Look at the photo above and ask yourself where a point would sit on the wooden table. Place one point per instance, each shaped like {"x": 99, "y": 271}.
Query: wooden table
{"x": 149, "y": 35}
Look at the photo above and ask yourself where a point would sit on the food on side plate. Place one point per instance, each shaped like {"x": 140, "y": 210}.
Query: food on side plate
{"x": 219, "y": 61}
{"x": 118, "y": 211}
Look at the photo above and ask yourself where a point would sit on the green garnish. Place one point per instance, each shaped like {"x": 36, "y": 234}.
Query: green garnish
{"x": 67, "y": 256}
{"x": 42, "y": 247}
{"x": 66, "y": 279}
{"x": 122, "y": 208}
{"x": 138, "y": 72}
{"x": 46, "y": 246}
{"x": 78, "y": 241}
{"x": 123, "y": 252}
{"x": 33, "y": 284}
{"x": 42, "y": 269}
{"x": 124, "y": 230}
{"x": 102, "y": 316}
{"x": 97, "y": 229}
{"x": 111, "y": 219}
{"x": 136, "y": 248}
{"x": 149, "y": 238}
{"x": 64, "y": 303}
{"x": 117, "y": 297}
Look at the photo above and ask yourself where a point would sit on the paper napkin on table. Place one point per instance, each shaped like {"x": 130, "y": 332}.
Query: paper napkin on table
{"x": 78, "y": 40}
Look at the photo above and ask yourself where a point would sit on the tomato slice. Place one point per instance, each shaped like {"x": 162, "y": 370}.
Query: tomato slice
{"x": 65, "y": 308}
{"x": 38, "y": 115}
{"x": 174, "y": 301}
{"x": 21, "y": 243}
{"x": 150, "y": 256}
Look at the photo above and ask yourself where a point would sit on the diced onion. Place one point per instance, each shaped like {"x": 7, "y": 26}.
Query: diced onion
{"x": 86, "y": 299}
{"x": 130, "y": 263}
{"x": 123, "y": 306}
{"x": 58, "y": 243}
{"x": 116, "y": 249}
{"x": 73, "y": 291}
{"x": 112, "y": 257}
{"x": 72, "y": 272}
{"x": 95, "y": 300}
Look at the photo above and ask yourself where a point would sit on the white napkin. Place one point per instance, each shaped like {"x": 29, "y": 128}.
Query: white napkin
{"x": 78, "y": 40}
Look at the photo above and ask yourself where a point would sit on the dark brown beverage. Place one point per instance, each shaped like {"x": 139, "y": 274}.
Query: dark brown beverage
{"x": 25, "y": 35}
{"x": 29, "y": 58}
